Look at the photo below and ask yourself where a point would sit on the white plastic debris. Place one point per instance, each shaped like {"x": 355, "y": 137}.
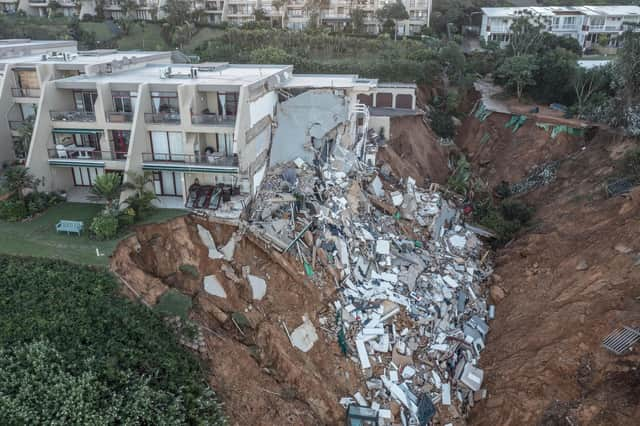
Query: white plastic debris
{"x": 304, "y": 336}
{"x": 258, "y": 287}
{"x": 213, "y": 286}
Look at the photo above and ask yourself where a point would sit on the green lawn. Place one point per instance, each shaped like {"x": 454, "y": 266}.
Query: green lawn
{"x": 100, "y": 29}
{"x": 145, "y": 36}
{"x": 38, "y": 237}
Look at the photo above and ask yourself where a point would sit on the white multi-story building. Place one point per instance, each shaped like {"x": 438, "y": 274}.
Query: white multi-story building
{"x": 26, "y": 66}
{"x": 587, "y": 24}
{"x": 295, "y": 13}
{"x": 205, "y": 132}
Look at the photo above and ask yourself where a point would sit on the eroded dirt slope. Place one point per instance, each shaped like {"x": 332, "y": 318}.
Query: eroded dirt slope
{"x": 259, "y": 376}
{"x": 414, "y": 151}
{"x": 498, "y": 154}
{"x": 561, "y": 288}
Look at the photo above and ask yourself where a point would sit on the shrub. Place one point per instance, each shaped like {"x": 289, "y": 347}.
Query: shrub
{"x": 127, "y": 217}
{"x": 189, "y": 270}
{"x": 104, "y": 226}
{"x": 442, "y": 124}
{"x": 516, "y": 210}
{"x": 13, "y": 210}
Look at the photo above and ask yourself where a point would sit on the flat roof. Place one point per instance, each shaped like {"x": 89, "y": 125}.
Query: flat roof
{"x": 319, "y": 81}
{"x": 91, "y": 57}
{"x": 497, "y": 12}
{"x": 222, "y": 74}
{"x": 25, "y": 42}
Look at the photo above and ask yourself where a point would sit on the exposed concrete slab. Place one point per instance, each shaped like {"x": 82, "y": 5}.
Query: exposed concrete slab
{"x": 207, "y": 240}
{"x": 213, "y": 286}
{"x": 304, "y": 336}
{"x": 311, "y": 114}
{"x": 258, "y": 286}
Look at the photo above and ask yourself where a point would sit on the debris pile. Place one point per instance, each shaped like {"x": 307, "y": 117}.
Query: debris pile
{"x": 409, "y": 305}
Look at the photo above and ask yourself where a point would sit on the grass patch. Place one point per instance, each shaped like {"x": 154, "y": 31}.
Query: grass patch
{"x": 143, "y": 36}
{"x": 174, "y": 303}
{"x": 100, "y": 29}
{"x": 38, "y": 237}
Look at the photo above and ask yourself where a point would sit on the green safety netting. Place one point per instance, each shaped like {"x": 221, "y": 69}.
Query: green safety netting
{"x": 515, "y": 122}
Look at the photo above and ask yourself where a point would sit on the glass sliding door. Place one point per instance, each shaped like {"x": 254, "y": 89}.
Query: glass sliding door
{"x": 167, "y": 146}
{"x": 167, "y": 183}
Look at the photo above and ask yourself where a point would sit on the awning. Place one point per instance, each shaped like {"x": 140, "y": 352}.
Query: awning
{"x": 77, "y": 131}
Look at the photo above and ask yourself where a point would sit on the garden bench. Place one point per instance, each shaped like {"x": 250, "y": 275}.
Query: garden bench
{"x": 70, "y": 226}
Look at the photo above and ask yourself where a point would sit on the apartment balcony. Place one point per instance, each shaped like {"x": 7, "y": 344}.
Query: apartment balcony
{"x": 212, "y": 120}
{"x": 38, "y": 2}
{"x": 19, "y": 92}
{"x": 16, "y": 124}
{"x": 119, "y": 117}
{"x": 162, "y": 118}
{"x": 186, "y": 162}
{"x": 76, "y": 116}
{"x": 80, "y": 153}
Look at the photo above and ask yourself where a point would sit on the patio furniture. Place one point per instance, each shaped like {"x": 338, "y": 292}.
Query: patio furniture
{"x": 62, "y": 151}
{"x": 70, "y": 226}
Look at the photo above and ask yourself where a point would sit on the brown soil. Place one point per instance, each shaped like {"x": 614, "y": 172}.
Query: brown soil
{"x": 507, "y": 156}
{"x": 562, "y": 286}
{"x": 414, "y": 151}
{"x": 259, "y": 376}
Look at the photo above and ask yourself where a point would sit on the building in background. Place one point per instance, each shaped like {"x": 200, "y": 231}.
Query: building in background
{"x": 590, "y": 25}
{"x": 296, "y": 13}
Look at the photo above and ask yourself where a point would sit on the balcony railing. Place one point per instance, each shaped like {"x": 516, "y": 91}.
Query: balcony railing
{"x": 81, "y": 116}
{"x": 120, "y": 117}
{"x": 16, "y": 124}
{"x": 162, "y": 118}
{"x": 19, "y": 92}
{"x": 212, "y": 119}
{"x": 214, "y": 159}
{"x": 82, "y": 153}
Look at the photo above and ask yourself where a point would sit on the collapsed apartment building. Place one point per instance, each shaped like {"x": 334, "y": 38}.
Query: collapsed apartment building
{"x": 205, "y": 132}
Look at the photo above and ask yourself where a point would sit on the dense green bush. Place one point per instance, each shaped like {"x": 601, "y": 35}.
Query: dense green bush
{"x": 320, "y": 52}
{"x": 516, "y": 211}
{"x": 13, "y": 210}
{"x": 74, "y": 352}
{"x": 442, "y": 123}
{"x": 105, "y": 226}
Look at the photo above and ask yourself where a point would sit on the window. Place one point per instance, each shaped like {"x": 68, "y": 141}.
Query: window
{"x": 27, "y": 79}
{"x": 167, "y": 183}
{"x": 85, "y": 176}
{"x": 123, "y": 101}
{"x": 28, "y": 111}
{"x": 167, "y": 146}
{"x": 569, "y": 22}
{"x": 165, "y": 102}
{"x": 228, "y": 103}
{"x": 85, "y": 101}
{"x": 120, "y": 143}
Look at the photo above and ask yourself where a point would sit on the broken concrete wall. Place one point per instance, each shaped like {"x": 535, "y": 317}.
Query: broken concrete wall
{"x": 314, "y": 113}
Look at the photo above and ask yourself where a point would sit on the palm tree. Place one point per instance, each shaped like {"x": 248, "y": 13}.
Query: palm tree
{"x": 23, "y": 141}
{"x": 141, "y": 199}
{"x": 18, "y": 179}
{"x": 107, "y": 187}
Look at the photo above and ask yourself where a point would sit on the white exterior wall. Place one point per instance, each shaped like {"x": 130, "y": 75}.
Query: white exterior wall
{"x": 577, "y": 22}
